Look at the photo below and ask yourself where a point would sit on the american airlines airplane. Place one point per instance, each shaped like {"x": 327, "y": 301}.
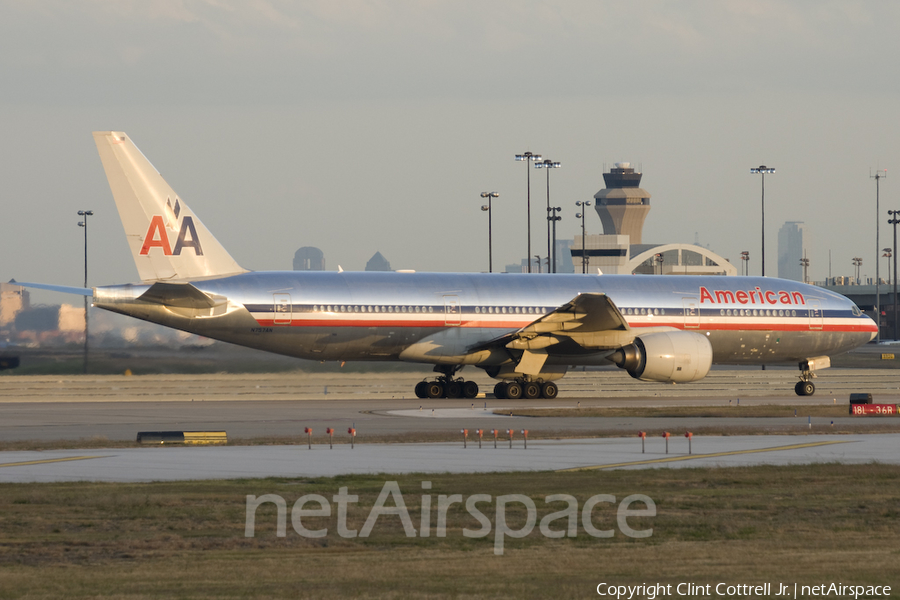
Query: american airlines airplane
{"x": 525, "y": 330}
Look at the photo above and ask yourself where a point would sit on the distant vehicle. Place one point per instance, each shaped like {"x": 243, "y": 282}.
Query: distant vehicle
{"x": 8, "y": 362}
{"x": 524, "y": 330}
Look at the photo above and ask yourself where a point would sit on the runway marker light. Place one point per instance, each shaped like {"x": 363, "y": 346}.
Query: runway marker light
{"x": 330, "y": 432}
{"x": 666, "y": 435}
{"x": 509, "y": 432}
{"x": 480, "y": 433}
{"x": 308, "y": 432}
{"x": 352, "y": 433}
{"x": 495, "y": 432}
{"x": 643, "y": 436}
{"x": 525, "y": 435}
{"x": 689, "y": 436}
{"x": 465, "y": 434}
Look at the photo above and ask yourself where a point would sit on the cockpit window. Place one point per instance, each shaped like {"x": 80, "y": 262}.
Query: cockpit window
{"x": 856, "y": 311}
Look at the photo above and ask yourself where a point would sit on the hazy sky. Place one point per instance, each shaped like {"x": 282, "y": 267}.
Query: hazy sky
{"x": 364, "y": 126}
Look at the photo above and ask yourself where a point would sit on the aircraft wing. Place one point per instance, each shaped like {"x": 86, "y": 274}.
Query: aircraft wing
{"x": 590, "y": 321}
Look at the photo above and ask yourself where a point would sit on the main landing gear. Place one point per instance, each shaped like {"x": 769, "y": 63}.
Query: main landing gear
{"x": 446, "y": 386}
{"x": 513, "y": 390}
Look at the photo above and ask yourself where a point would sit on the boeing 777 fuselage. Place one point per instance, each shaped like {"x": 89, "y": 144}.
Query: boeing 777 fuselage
{"x": 525, "y": 330}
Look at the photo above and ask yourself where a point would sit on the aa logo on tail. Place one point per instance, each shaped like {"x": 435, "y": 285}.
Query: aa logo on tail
{"x": 157, "y": 237}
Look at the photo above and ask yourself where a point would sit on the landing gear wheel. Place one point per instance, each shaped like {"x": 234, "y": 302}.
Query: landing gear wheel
{"x": 470, "y": 389}
{"x": 513, "y": 390}
{"x": 531, "y": 390}
{"x": 453, "y": 389}
{"x": 434, "y": 389}
{"x": 805, "y": 388}
{"x": 549, "y": 390}
{"x": 500, "y": 391}
{"x": 422, "y": 389}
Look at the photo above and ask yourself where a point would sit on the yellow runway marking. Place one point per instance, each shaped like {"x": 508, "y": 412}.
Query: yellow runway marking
{"x": 696, "y": 456}
{"x": 49, "y": 460}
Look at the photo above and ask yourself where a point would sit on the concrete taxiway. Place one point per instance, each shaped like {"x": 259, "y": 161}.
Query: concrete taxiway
{"x": 180, "y": 463}
{"x": 275, "y": 406}
{"x": 282, "y": 405}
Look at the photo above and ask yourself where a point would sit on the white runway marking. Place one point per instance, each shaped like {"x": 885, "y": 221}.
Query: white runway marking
{"x": 444, "y": 413}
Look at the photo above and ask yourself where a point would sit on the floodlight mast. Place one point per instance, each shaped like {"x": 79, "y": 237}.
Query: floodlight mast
{"x": 878, "y": 176}
{"x": 528, "y": 157}
{"x": 84, "y": 224}
{"x": 762, "y": 170}
{"x": 548, "y": 164}
{"x": 487, "y": 207}
{"x": 895, "y": 221}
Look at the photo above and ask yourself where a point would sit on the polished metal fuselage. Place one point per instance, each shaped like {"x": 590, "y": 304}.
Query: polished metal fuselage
{"x": 441, "y": 318}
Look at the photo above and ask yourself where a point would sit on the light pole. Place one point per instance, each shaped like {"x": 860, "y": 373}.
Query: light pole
{"x": 888, "y": 254}
{"x": 84, "y": 224}
{"x": 537, "y": 259}
{"x": 878, "y": 176}
{"x": 553, "y": 218}
{"x": 528, "y": 157}
{"x": 745, "y": 257}
{"x": 584, "y": 257}
{"x": 487, "y": 207}
{"x": 804, "y": 262}
{"x": 548, "y": 164}
{"x": 659, "y": 260}
{"x": 857, "y": 262}
{"x": 762, "y": 170}
{"x": 895, "y": 221}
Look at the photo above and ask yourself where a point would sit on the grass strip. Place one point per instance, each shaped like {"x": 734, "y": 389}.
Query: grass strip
{"x": 812, "y": 524}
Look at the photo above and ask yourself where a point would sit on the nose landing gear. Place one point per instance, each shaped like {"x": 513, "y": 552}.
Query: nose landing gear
{"x": 805, "y": 386}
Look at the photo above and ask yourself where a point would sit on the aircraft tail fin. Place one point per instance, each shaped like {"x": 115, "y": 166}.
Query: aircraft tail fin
{"x": 168, "y": 242}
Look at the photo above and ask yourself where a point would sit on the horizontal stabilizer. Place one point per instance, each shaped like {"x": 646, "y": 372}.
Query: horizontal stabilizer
{"x": 65, "y": 289}
{"x": 181, "y": 295}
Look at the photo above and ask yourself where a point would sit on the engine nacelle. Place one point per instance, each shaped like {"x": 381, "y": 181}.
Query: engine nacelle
{"x": 667, "y": 356}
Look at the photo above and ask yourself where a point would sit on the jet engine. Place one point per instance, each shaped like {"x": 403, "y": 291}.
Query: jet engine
{"x": 667, "y": 356}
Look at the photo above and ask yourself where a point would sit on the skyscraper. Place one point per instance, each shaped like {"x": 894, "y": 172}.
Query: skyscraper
{"x": 791, "y": 248}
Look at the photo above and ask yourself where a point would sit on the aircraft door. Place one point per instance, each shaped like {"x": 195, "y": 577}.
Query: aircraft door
{"x": 815, "y": 315}
{"x": 283, "y": 309}
{"x": 691, "y": 313}
{"x": 452, "y": 311}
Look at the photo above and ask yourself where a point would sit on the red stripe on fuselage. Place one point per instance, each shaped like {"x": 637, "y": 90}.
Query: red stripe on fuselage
{"x": 507, "y": 325}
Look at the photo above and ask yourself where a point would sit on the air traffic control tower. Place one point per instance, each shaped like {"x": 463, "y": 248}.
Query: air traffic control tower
{"x": 623, "y": 205}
